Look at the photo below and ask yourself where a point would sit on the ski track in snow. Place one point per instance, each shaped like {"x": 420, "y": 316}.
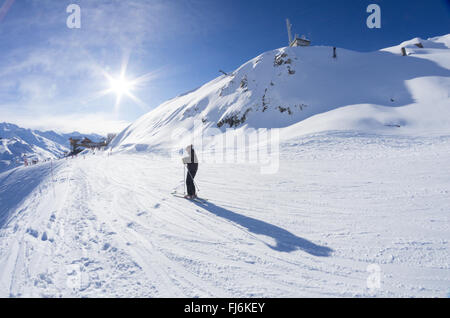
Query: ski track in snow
{"x": 107, "y": 226}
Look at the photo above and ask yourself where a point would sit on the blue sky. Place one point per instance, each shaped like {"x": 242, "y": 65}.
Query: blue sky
{"x": 51, "y": 77}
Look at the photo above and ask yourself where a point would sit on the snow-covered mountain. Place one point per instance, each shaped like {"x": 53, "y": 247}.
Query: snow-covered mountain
{"x": 358, "y": 209}
{"x": 17, "y": 142}
{"x": 308, "y": 90}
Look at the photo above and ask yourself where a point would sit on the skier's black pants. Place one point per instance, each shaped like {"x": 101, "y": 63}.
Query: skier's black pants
{"x": 192, "y": 171}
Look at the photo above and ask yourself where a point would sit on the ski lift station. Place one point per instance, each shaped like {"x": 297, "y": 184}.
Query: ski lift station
{"x": 296, "y": 41}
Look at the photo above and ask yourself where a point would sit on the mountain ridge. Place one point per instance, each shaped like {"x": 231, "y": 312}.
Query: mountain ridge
{"x": 15, "y": 142}
{"x": 286, "y": 86}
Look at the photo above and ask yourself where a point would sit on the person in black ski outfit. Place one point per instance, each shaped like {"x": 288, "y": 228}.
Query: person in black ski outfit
{"x": 192, "y": 166}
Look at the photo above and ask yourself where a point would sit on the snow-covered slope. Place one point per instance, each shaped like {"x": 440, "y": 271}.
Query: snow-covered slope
{"x": 17, "y": 142}
{"x": 342, "y": 209}
{"x": 358, "y": 206}
{"x": 386, "y": 92}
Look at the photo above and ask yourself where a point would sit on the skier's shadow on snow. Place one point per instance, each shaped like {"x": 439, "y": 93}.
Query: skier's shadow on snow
{"x": 285, "y": 240}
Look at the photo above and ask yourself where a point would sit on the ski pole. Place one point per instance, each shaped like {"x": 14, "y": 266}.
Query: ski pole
{"x": 184, "y": 180}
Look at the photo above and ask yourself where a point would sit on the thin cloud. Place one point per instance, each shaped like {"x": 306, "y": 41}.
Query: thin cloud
{"x": 5, "y": 8}
{"x": 64, "y": 73}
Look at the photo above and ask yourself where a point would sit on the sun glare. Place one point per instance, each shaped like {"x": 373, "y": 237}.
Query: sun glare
{"x": 123, "y": 86}
{"x": 120, "y": 86}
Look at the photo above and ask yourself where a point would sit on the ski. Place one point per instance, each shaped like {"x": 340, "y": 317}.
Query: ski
{"x": 200, "y": 200}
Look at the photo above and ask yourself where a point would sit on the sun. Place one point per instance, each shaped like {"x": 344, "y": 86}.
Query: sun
{"x": 121, "y": 86}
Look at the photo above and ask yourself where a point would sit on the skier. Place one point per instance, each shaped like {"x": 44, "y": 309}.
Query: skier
{"x": 192, "y": 166}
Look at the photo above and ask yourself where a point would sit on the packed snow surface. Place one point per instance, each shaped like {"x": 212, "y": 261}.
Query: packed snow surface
{"x": 107, "y": 225}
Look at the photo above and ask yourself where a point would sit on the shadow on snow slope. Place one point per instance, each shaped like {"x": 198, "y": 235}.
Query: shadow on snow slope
{"x": 285, "y": 240}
